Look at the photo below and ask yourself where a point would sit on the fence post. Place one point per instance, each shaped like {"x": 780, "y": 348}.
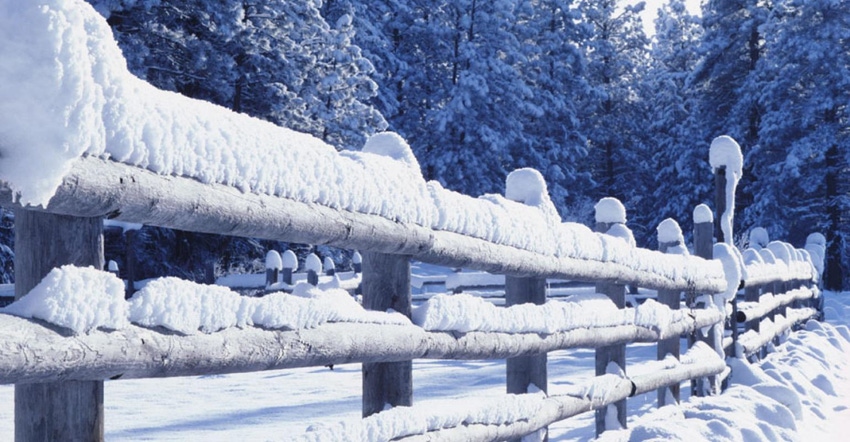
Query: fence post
{"x": 610, "y": 211}
{"x": 273, "y": 265}
{"x": 386, "y": 285}
{"x": 704, "y": 248}
{"x": 670, "y": 238}
{"x": 290, "y": 264}
{"x": 328, "y": 266}
{"x": 525, "y": 371}
{"x": 71, "y": 410}
{"x": 313, "y": 266}
{"x": 130, "y": 257}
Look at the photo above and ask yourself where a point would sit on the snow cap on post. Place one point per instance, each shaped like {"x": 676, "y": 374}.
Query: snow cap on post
{"x": 328, "y": 266}
{"x": 703, "y": 215}
{"x": 610, "y": 210}
{"x": 313, "y": 263}
{"x": 289, "y": 260}
{"x": 392, "y": 145}
{"x": 731, "y": 268}
{"x": 357, "y": 258}
{"x": 273, "y": 260}
{"x": 528, "y": 186}
{"x": 816, "y": 246}
{"x": 725, "y": 153}
{"x": 759, "y": 238}
{"x": 669, "y": 231}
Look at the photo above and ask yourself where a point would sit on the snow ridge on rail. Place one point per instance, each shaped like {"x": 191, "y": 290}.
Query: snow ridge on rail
{"x": 67, "y": 95}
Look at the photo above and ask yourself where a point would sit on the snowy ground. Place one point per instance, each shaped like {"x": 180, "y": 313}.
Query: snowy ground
{"x": 808, "y": 374}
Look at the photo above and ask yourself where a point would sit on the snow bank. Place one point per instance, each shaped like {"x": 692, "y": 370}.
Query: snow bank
{"x": 81, "y": 299}
{"x": 790, "y": 395}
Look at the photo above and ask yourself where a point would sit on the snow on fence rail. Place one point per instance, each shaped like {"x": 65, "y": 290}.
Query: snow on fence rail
{"x": 109, "y": 146}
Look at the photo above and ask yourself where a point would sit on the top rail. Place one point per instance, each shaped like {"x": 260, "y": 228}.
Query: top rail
{"x": 102, "y": 188}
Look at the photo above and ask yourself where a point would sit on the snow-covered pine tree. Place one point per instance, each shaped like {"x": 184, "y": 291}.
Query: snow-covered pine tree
{"x": 553, "y": 67}
{"x": 803, "y": 154}
{"x": 678, "y": 157}
{"x": 612, "y": 115}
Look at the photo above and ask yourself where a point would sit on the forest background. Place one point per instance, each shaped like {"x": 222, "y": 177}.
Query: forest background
{"x": 573, "y": 88}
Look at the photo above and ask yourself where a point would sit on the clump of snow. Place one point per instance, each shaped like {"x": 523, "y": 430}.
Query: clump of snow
{"x": 313, "y": 264}
{"x": 610, "y": 210}
{"x": 392, "y": 145}
{"x": 703, "y": 214}
{"x": 726, "y": 153}
{"x": 816, "y": 246}
{"x": 356, "y": 258}
{"x": 273, "y": 260}
{"x": 187, "y": 307}
{"x": 112, "y": 266}
{"x": 731, "y": 268}
{"x": 465, "y": 313}
{"x": 289, "y": 260}
{"x": 79, "y": 298}
{"x": 669, "y": 232}
{"x": 759, "y": 238}
{"x": 328, "y": 264}
{"x": 527, "y": 186}
{"x": 623, "y": 232}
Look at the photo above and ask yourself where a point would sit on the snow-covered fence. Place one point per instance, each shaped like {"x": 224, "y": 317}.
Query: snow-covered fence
{"x": 108, "y": 146}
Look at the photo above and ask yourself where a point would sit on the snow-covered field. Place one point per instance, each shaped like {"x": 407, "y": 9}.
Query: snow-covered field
{"x": 800, "y": 391}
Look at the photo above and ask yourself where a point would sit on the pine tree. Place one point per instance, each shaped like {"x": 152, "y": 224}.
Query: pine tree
{"x": 613, "y": 117}
{"x": 682, "y": 175}
{"x": 804, "y": 135}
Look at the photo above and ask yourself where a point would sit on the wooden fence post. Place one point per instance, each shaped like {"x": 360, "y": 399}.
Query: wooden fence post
{"x": 274, "y": 263}
{"x": 386, "y": 285}
{"x": 525, "y": 371}
{"x": 131, "y": 264}
{"x": 672, "y": 299}
{"x": 610, "y": 353}
{"x": 313, "y": 266}
{"x": 290, "y": 263}
{"x": 70, "y": 410}
{"x": 704, "y": 248}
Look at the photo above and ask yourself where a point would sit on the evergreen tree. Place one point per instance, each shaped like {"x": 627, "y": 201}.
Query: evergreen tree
{"x": 679, "y": 159}
{"x": 804, "y": 134}
{"x": 613, "y": 116}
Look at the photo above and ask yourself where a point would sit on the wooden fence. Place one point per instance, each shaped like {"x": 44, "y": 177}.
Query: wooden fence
{"x": 55, "y": 372}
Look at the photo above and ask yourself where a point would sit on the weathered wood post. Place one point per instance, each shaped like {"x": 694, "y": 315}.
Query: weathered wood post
{"x": 670, "y": 240}
{"x": 290, "y": 264}
{"x": 70, "y": 410}
{"x": 703, "y": 247}
{"x": 610, "y": 212}
{"x": 386, "y": 285}
{"x": 274, "y": 263}
{"x": 313, "y": 266}
{"x": 526, "y": 373}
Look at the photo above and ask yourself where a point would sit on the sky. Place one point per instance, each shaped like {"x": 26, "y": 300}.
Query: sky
{"x": 649, "y": 13}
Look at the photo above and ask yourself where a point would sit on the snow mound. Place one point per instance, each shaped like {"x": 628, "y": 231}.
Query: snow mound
{"x": 187, "y": 307}
{"x": 759, "y": 238}
{"x": 610, "y": 210}
{"x": 392, "y": 145}
{"x": 81, "y": 299}
{"x": 703, "y": 214}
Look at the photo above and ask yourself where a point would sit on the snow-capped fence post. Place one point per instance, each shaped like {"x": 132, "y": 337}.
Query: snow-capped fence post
{"x": 71, "y": 410}
{"x": 274, "y": 264}
{"x": 386, "y": 285}
{"x": 704, "y": 248}
{"x": 290, "y": 264}
{"x": 610, "y": 212}
{"x": 356, "y": 262}
{"x": 670, "y": 240}
{"x": 313, "y": 266}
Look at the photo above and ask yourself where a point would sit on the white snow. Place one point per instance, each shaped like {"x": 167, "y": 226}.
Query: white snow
{"x": 289, "y": 260}
{"x": 759, "y": 238}
{"x": 328, "y": 264}
{"x": 78, "y": 298}
{"x": 610, "y": 210}
{"x": 313, "y": 264}
{"x": 528, "y": 186}
{"x": 273, "y": 260}
{"x": 703, "y": 214}
{"x": 726, "y": 153}
{"x": 669, "y": 232}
